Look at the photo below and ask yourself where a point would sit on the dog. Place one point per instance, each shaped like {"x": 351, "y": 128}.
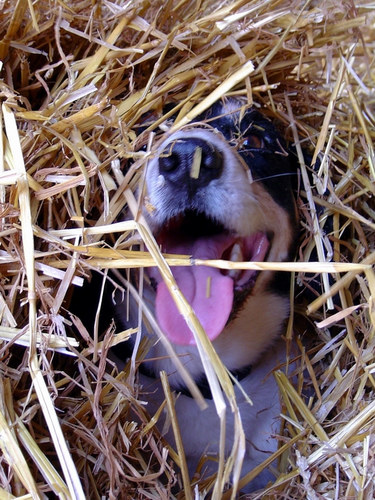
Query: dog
{"x": 220, "y": 188}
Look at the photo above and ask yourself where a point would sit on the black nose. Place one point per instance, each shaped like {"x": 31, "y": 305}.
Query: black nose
{"x": 191, "y": 161}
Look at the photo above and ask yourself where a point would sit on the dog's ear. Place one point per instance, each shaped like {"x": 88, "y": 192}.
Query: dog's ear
{"x": 146, "y": 121}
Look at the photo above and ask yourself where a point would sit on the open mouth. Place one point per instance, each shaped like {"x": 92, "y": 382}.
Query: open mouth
{"x": 211, "y": 292}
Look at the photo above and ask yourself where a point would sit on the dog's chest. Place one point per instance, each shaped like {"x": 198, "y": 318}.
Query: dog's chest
{"x": 200, "y": 429}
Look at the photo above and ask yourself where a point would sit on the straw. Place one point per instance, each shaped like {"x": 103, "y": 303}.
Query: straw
{"x": 84, "y": 89}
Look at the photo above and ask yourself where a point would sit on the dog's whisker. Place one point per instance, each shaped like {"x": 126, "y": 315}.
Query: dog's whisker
{"x": 275, "y": 176}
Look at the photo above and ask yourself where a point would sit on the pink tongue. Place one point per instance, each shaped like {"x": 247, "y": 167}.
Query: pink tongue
{"x": 207, "y": 290}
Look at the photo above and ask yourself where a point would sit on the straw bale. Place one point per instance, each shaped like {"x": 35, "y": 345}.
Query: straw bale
{"x": 76, "y": 80}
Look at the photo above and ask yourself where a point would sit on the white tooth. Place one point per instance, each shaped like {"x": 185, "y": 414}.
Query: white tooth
{"x": 236, "y": 254}
{"x": 160, "y": 181}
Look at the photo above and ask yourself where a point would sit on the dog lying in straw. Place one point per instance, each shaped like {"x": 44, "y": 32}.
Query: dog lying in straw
{"x": 220, "y": 188}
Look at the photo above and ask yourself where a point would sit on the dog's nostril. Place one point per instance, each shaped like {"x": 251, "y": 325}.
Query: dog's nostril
{"x": 168, "y": 162}
{"x": 212, "y": 160}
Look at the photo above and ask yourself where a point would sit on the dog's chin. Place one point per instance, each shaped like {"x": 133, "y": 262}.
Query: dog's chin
{"x": 246, "y": 336}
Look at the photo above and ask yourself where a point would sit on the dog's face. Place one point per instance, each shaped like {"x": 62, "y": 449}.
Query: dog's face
{"x": 220, "y": 188}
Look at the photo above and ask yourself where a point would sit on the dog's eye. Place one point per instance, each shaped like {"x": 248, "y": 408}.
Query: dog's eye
{"x": 253, "y": 142}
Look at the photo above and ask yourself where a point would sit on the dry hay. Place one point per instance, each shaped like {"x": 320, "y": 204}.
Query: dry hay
{"x": 76, "y": 78}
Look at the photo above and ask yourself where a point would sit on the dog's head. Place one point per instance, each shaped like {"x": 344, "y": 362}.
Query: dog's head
{"x": 220, "y": 188}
